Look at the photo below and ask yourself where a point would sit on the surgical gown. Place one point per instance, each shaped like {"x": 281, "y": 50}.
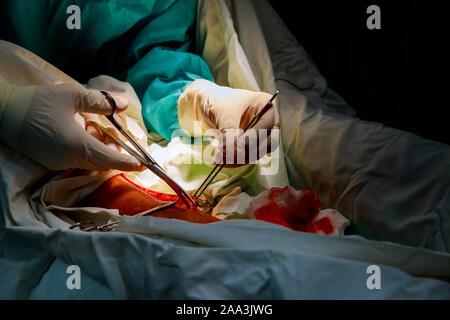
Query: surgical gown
{"x": 145, "y": 43}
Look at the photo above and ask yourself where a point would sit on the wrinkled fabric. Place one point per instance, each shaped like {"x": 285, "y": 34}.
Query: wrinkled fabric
{"x": 392, "y": 185}
{"x": 160, "y": 258}
{"x": 240, "y": 64}
{"x": 226, "y": 260}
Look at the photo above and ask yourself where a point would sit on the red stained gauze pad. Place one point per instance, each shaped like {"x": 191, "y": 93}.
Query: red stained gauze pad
{"x": 299, "y": 210}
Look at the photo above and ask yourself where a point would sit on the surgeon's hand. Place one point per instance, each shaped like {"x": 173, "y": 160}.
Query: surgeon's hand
{"x": 205, "y": 108}
{"x": 39, "y": 122}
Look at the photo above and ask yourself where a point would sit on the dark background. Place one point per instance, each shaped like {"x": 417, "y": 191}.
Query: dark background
{"x": 398, "y": 75}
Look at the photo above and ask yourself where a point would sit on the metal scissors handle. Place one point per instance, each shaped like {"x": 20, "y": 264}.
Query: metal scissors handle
{"x": 143, "y": 155}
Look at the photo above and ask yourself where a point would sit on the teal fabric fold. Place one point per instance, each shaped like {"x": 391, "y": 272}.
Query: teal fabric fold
{"x": 145, "y": 43}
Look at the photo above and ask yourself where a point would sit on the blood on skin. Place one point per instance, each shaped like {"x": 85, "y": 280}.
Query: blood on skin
{"x": 130, "y": 199}
{"x": 157, "y": 195}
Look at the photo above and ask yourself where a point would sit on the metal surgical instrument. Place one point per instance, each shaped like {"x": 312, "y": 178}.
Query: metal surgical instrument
{"x": 219, "y": 166}
{"x": 142, "y": 155}
{"x": 112, "y": 225}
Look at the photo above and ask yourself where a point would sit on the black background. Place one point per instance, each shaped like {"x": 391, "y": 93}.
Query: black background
{"x": 399, "y": 75}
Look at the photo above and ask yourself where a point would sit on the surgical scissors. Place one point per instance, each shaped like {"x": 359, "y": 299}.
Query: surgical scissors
{"x": 142, "y": 155}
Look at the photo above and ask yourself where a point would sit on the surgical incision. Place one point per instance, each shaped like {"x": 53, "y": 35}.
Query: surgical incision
{"x": 297, "y": 210}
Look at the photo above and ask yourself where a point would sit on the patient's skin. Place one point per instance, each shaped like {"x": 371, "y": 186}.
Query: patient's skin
{"x": 287, "y": 207}
{"x": 130, "y": 199}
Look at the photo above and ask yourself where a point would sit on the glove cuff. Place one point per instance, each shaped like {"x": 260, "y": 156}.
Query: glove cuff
{"x": 14, "y": 104}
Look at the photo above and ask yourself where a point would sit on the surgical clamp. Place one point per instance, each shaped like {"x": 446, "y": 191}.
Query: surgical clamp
{"x": 143, "y": 155}
{"x": 200, "y": 190}
{"x": 111, "y": 225}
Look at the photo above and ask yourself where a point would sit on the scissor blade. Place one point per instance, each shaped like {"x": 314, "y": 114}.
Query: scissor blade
{"x": 143, "y": 152}
{"x": 124, "y": 146}
{"x": 151, "y": 165}
{"x": 132, "y": 140}
{"x": 131, "y": 151}
{"x": 172, "y": 184}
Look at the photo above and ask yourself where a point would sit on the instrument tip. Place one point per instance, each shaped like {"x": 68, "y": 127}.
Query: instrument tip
{"x": 274, "y": 96}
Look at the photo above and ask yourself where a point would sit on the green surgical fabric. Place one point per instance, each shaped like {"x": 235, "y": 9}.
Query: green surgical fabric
{"x": 142, "y": 42}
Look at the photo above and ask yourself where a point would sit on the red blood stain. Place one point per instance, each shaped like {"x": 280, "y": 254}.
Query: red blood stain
{"x": 272, "y": 213}
{"x": 158, "y": 195}
{"x": 323, "y": 225}
{"x": 290, "y": 208}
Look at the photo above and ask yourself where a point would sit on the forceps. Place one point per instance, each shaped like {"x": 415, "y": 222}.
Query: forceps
{"x": 219, "y": 166}
{"x": 200, "y": 190}
{"x": 142, "y": 155}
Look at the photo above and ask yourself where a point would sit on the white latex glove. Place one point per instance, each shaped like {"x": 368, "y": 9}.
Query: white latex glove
{"x": 39, "y": 122}
{"x": 204, "y": 106}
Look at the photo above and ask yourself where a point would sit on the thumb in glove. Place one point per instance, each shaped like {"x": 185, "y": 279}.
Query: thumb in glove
{"x": 51, "y": 137}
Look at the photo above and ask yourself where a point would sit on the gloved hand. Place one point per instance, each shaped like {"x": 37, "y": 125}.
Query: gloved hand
{"x": 39, "y": 122}
{"x": 205, "y": 108}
